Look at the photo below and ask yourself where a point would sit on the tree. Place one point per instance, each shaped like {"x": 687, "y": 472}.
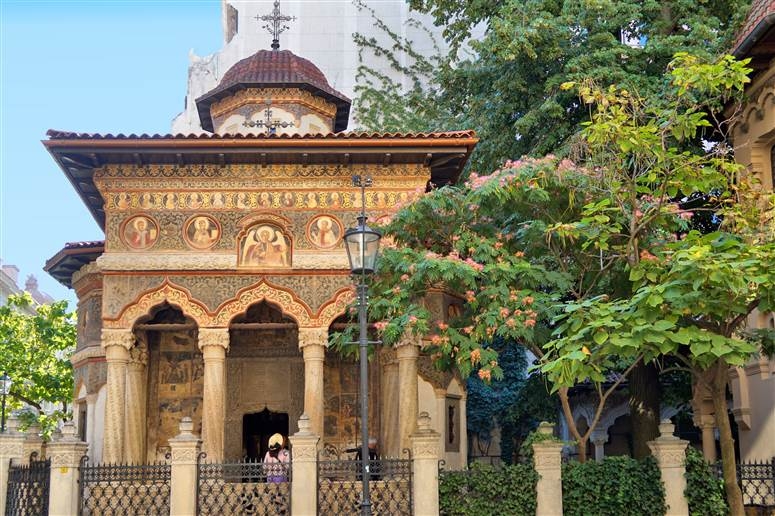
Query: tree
{"x": 691, "y": 293}
{"x": 35, "y": 352}
{"x": 509, "y": 90}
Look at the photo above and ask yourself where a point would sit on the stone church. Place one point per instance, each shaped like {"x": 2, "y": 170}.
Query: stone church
{"x": 223, "y": 272}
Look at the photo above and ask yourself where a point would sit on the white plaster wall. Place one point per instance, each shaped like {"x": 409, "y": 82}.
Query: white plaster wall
{"x": 426, "y": 402}
{"x": 758, "y": 443}
{"x": 323, "y": 33}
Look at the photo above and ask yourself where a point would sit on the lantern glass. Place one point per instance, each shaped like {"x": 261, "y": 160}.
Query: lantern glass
{"x": 362, "y": 244}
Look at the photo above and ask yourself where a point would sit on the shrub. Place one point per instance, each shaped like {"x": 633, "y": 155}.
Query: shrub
{"x": 617, "y": 486}
{"x": 704, "y": 489}
{"x": 487, "y": 491}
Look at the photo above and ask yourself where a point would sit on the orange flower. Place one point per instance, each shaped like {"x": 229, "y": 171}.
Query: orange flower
{"x": 529, "y": 323}
{"x": 476, "y": 356}
{"x": 485, "y": 374}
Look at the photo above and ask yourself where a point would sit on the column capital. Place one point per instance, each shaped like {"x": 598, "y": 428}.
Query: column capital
{"x": 213, "y": 337}
{"x": 313, "y": 336}
{"x": 113, "y": 337}
{"x": 408, "y": 340}
{"x": 138, "y": 357}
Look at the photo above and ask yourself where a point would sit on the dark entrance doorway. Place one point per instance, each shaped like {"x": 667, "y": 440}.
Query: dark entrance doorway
{"x": 257, "y": 428}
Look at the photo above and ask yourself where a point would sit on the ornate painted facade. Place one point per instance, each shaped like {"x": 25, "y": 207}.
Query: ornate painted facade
{"x": 223, "y": 272}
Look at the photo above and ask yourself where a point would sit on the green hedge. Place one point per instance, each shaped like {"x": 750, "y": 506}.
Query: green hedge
{"x": 704, "y": 490}
{"x": 487, "y": 491}
{"x": 617, "y": 486}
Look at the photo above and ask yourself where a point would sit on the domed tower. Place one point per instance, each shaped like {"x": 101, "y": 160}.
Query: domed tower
{"x": 273, "y": 92}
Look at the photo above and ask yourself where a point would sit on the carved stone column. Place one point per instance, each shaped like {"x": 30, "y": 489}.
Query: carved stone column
{"x": 135, "y": 404}
{"x": 547, "y": 456}
{"x": 407, "y": 352}
{"x": 708, "y": 426}
{"x": 116, "y": 343}
{"x": 670, "y": 452}
{"x": 599, "y": 439}
{"x": 425, "y": 467}
{"x": 213, "y": 342}
{"x": 312, "y": 342}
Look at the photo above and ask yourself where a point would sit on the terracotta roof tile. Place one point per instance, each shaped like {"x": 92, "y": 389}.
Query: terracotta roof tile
{"x": 54, "y": 134}
{"x": 760, "y": 9}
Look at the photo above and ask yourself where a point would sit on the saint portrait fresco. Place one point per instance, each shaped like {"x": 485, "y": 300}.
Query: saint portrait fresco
{"x": 265, "y": 245}
{"x": 202, "y": 232}
{"x": 140, "y": 232}
{"x": 324, "y": 231}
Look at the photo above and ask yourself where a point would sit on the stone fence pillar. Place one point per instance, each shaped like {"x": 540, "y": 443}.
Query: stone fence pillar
{"x": 184, "y": 449}
{"x": 33, "y": 443}
{"x": 670, "y": 452}
{"x": 304, "y": 483}
{"x": 547, "y": 456}
{"x": 65, "y": 454}
{"x": 11, "y": 448}
{"x": 425, "y": 467}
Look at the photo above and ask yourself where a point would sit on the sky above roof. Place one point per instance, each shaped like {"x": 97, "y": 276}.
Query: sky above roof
{"x": 91, "y": 66}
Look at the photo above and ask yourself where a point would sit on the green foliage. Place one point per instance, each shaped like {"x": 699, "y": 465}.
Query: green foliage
{"x": 617, "y": 486}
{"x": 509, "y": 89}
{"x": 487, "y": 491}
{"x": 526, "y": 449}
{"x": 704, "y": 490}
{"x": 35, "y": 352}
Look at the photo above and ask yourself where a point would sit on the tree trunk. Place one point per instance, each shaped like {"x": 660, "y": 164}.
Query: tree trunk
{"x": 719, "y": 394}
{"x": 568, "y": 413}
{"x": 645, "y": 395}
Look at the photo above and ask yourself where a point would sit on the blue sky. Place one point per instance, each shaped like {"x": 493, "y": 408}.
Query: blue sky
{"x": 88, "y": 66}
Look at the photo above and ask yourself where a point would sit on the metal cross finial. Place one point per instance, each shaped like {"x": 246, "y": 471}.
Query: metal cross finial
{"x": 268, "y": 122}
{"x": 276, "y": 24}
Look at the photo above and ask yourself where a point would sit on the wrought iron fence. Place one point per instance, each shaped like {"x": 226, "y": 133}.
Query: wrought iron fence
{"x": 390, "y": 487}
{"x": 757, "y": 481}
{"x": 243, "y": 487}
{"x": 28, "y": 487}
{"x": 124, "y": 489}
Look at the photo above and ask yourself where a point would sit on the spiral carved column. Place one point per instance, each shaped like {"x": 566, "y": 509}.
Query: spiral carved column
{"x": 116, "y": 343}
{"x": 214, "y": 342}
{"x": 135, "y": 404}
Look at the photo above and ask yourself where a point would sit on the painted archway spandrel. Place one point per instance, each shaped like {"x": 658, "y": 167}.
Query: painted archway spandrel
{"x": 286, "y": 300}
{"x": 120, "y": 291}
{"x": 336, "y": 306}
{"x": 166, "y": 293}
{"x": 315, "y": 290}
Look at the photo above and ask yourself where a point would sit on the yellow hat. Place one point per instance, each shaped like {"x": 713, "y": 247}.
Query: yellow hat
{"x": 276, "y": 441}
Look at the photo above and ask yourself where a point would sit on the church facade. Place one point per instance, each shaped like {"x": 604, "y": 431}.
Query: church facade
{"x": 223, "y": 273}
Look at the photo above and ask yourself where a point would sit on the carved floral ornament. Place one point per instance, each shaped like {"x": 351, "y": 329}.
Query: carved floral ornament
{"x": 118, "y": 330}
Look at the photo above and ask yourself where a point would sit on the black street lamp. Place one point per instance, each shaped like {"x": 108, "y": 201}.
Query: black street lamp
{"x": 5, "y": 389}
{"x": 362, "y": 244}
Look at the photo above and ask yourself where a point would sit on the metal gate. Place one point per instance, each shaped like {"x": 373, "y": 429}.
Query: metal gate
{"x": 124, "y": 489}
{"x": 28, "y": 487}
{"x": 243, "y": 487}
{"x": 390, "y": 487}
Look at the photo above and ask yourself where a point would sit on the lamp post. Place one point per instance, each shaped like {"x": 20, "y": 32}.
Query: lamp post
{"x": 5, "y": 389}
{"x": 362, "y": 244}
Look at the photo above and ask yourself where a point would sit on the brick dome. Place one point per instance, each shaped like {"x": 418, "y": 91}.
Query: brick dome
{"x": 278, "y": 69}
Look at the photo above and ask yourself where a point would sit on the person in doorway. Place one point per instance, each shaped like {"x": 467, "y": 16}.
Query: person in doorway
{"x": 374, "y": 465}
{"x": 276, "y": 460}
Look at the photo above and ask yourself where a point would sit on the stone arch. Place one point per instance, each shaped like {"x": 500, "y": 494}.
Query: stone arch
{"x": 286, "y": 299}
{"x": 335, "y": 307}
{"x": 168, "y": 292}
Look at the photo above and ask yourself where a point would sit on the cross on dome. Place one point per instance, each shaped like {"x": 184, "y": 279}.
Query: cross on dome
{"x": 276, "y": 24}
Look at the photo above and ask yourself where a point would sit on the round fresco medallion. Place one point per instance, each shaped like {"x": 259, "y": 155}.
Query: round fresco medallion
{"x": 140, "y": 232}
{"x": 324, "y": 231}
{"x": 202, "y": 232}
